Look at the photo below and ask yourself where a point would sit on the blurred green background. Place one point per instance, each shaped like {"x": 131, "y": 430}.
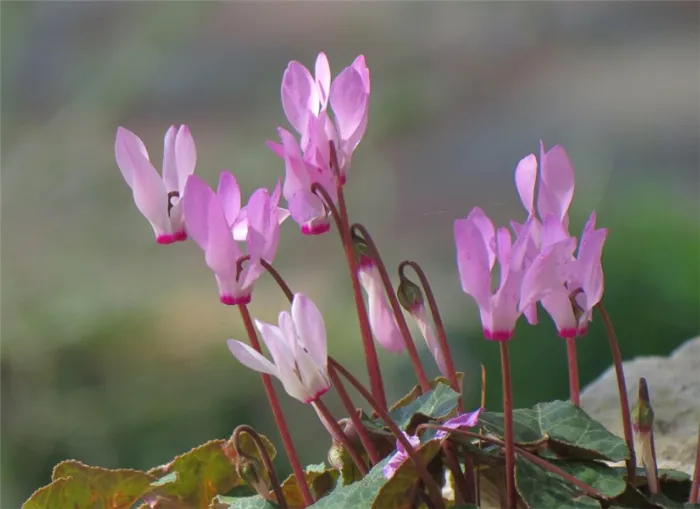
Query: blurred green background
{"x": 113, "y": 348}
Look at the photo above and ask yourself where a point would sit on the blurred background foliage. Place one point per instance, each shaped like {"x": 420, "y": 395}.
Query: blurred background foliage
{"x": 113, "y": 348}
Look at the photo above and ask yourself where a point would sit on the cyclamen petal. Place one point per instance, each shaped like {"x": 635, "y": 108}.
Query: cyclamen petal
{"x": 466, "y": 420}
{"x": 399, "y": 456}
{"x": 556, "y": 183}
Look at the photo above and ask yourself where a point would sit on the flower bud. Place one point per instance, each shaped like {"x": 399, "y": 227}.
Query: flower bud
{"x": 409, "y": 294}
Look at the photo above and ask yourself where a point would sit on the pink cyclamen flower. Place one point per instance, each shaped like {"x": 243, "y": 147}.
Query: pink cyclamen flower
{"x": 324, "y": 152}
{"x": 466, "y": 420}
{"x": 399, "y": 456}
{"x": 479, "y": 246}
{"x": 158, "y": 198}
{"x": 306, "y": 208}
{"x": 578, "y": 284}
{"x": 381, "y": 316}
{"x": 298, "y": 349}
{"x": 217, "y": 223}
{"x": 305, "y": 101}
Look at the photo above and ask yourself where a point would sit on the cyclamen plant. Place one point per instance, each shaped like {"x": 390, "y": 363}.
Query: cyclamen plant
{"x": 424, "y": 450}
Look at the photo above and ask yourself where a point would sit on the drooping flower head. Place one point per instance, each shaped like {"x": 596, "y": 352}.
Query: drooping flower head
{"x": 158, "y": 198}
{"x": 479, "y": 247}
{"x": 298, "y": 349}
{"x": 217, "y": 223}
{"x": 324, "y": 152}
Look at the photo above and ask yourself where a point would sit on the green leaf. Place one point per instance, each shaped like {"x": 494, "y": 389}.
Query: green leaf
{"x": 320, "y": 478}
{"x": 662, "y": 501}
{"x": 435, "y": 404}
{"x": 569, "y": 431}
{"x": 80, "y": 486}
{"x": 398, "y": 490}
{"x": 414, "y": 393}
{"x": 203, "y": 473}
{"x": 255, "y": 502}
{"x": 607, "y": 480}
{"x": 60, "y": 493}
{"x": 359, "y": 494}
{"x": 540, "y": 488}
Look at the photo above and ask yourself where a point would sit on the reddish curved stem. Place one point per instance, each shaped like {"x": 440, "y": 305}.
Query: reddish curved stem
{"x": 277, "y": 413}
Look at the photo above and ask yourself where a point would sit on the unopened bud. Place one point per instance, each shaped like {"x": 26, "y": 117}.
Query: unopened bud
{"x": 362, "y": 251}
{"x": 248, "y": 470}
{"x": 335, "y": 455}
{"x": 409, "y": 294}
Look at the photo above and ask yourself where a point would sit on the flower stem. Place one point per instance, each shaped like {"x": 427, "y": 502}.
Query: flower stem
{"x": 276, "y": 488}
{"x": 481, "y": 432}
{"x": 695, "y": 486}
{"x": 338, "y": 434}
{"x": 428, "y": 481}
{"x": 574, "y": 390}
{"x": 354, "y": 417}
{"x": 340, "y": 216}
{"x": 508, "y": 425}
{"x": 395, "y": 307}
{"x": 622, "y": 389}
{"x": 277, "y": 412}
{"x": 437, "y": 319}
{"x": 278, "y": 279}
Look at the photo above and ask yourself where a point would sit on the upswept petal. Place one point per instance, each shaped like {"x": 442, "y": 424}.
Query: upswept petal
{"x": 149, "y": 193}
{"x": 222, "y": 251}
{"x": 126, "y": 148}
{"x": 195, "y": 204}
{"x": 381, "y": 317}
{"x": 503, "y": 246}
{"x": 589, "y": 268}
{"x": 279, "y": 345}
{"x": 525, "y": 179}
{"x": 546, "y": 274}
{"x": 169, "y": 161}
{"x": 473, "y": 258}
{"x": 360, "y": 65}
{"x": 322, "y": 72}
{"x": 311, "y": 328}
{"x": 559, "y": 307}
{"x": 229, "y": 194}
{"x": 556, "y": 184}
{"x": 299, "y": 95}
{"x": 185, "y": 156}
{"x": 349, "y": 102}
{"x": 263, "y": 228}
{"x": 250, "y": 358}
{"x": 553, "y": 231}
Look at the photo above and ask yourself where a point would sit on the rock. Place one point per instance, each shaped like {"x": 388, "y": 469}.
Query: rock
{"x": 674, "y": 386}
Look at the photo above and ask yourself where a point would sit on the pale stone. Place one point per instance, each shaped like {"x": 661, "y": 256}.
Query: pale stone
{"x": 674, "y": 387}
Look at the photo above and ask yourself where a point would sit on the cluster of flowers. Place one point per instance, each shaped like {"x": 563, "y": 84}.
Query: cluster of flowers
{"x": 538, "y": 262}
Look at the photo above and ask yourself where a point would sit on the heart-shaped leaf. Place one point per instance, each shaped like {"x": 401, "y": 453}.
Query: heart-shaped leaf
{"x": 569, "y": 431}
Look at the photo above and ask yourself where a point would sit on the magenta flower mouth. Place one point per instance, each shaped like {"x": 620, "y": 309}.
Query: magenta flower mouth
{"x": 499, "y": 335}
{"x": 230, "y": 300}
{"x": 170, "y": 238}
